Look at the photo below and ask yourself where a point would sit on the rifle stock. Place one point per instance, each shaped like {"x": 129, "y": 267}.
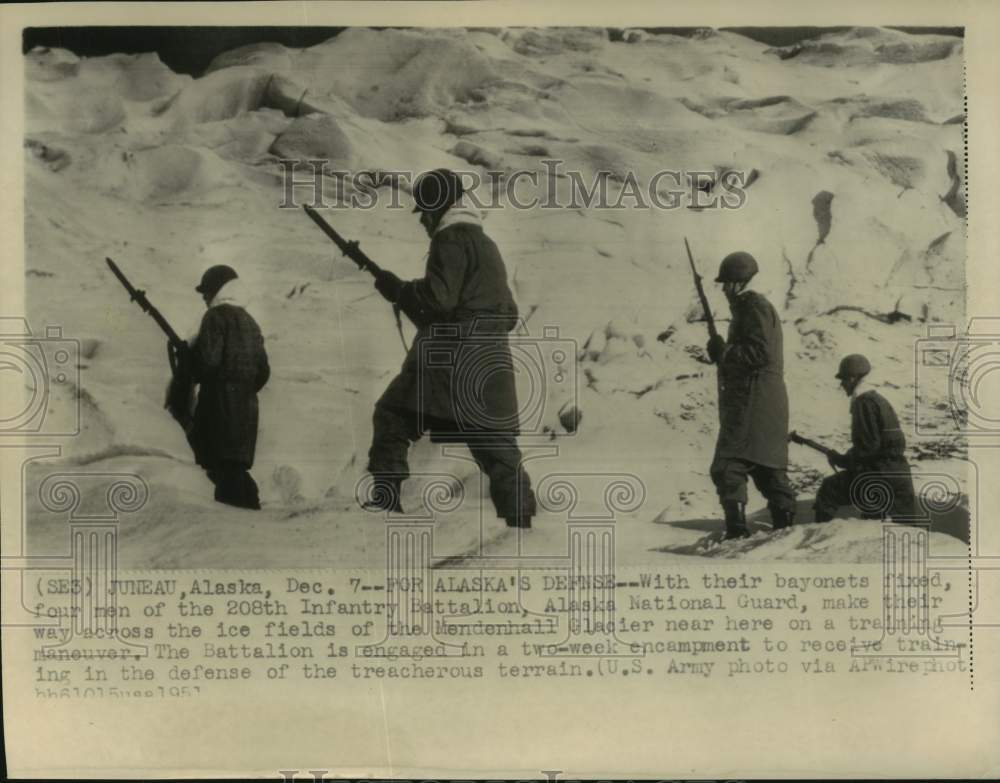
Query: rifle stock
{"x": 712, "y": 331}
{"x": 349, "y": 248}
{"x": 794, "y": 437}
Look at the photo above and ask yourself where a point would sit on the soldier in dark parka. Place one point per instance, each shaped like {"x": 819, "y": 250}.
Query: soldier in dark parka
{"x": 457, "y": 381}
{"x": 753, "y": 403}
{"x": 230, "y": 365}
{"x": 876, "y": 463}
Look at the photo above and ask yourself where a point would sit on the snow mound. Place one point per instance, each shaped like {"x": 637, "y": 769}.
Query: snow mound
{"x": 44, "y": 64}
{"x": 136, "y": 77}
{"x": 163, "y": 174}
{"x": 555, "y": 41}
{"x": 75, "y": 108}
{"x": 777, "y": 114}
{"x": 839, "y": 541}
{"x": 220, "y": 95}
{"x": 392, "y": 75}
{"x": 315, "y": 137}
{"x": 870, "y": 45}
{"x": 266, "y": 55}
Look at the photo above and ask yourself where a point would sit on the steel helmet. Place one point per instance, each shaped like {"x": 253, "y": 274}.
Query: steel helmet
{"x": 214, "y": 278}
{"x": 737, "y": 268}
{"x": 855, "y": 364}
{"x": 435, "y": 191}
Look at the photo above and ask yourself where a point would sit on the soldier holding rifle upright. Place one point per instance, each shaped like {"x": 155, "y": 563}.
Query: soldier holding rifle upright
{"x": 228, "y": 363}
{"x": 463, "y": 308}
{"x": 753, "y": 403}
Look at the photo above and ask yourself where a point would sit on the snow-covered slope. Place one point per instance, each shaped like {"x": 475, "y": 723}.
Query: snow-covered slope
{"x": 855, "y": 209}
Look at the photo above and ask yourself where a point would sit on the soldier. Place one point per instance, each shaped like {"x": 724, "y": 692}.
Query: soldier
{"x": 463, "y": 309}
{"x": 229, "y": 363}
{"x": 753, "y": 403}
{"x": 876, "y": 454}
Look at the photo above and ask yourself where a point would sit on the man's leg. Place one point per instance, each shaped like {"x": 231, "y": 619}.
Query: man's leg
{"x": 904, "y": 500}
{"x": 834, "y": 492}
{"x": 393, "y": 432}
{"x": 250, "y": 492}
{"x": 510, "y": 486}
{"x": 730, "y": 478}
{"x": 773, "y": 484}
{"x": 234, "y": 486}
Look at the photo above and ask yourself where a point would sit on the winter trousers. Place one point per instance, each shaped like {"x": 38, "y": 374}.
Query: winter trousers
{"x": 876, "y": 493}
{"x": 730, "y": 478}
{"x": 234, "y": 485}
{"x": 496, "y": 454}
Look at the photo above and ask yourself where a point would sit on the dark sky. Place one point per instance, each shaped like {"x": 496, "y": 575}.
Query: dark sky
{"x": 191, "y": 49}
{"x": 184, "y": 49}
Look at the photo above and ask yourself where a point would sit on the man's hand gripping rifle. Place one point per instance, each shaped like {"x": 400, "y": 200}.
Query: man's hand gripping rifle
{"x": 716, "y": 343}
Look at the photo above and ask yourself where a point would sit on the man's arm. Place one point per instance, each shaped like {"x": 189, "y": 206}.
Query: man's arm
{"x": 750, "y": 349}
{"x": 207, "y": 350}
{"x": 263, "y": 367}
{"x": 866, "y": 433}
{"x": 437, "y": 293}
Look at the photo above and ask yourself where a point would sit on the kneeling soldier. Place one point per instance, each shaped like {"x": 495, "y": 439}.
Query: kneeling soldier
{"x": 876, "y": 454}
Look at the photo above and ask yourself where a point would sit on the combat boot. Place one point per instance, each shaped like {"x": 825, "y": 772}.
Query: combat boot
{"x": 781, "y": 518}
{"x": 384, "y": 495}
{"x": 736, "y": 519}
{"x": 522, "y": 517}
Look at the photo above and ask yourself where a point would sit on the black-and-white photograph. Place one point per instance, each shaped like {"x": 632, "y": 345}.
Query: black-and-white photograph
{"x": 420, "y": 271}
{"x": 462, "y": 390}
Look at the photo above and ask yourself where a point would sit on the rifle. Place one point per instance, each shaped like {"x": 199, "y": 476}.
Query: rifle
{"x": 181, "y": 388}
{"x": 712, "y": 331}
{"x": 794, "y": 437}
{"x": 350, "y": 248}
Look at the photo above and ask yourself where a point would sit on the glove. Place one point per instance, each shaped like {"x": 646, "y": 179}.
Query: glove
{"x": 837, "y": 460}
{"x": 389, "y": 285}
{"x": 716, "y": 346}
{"x": 411, "y": 307}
